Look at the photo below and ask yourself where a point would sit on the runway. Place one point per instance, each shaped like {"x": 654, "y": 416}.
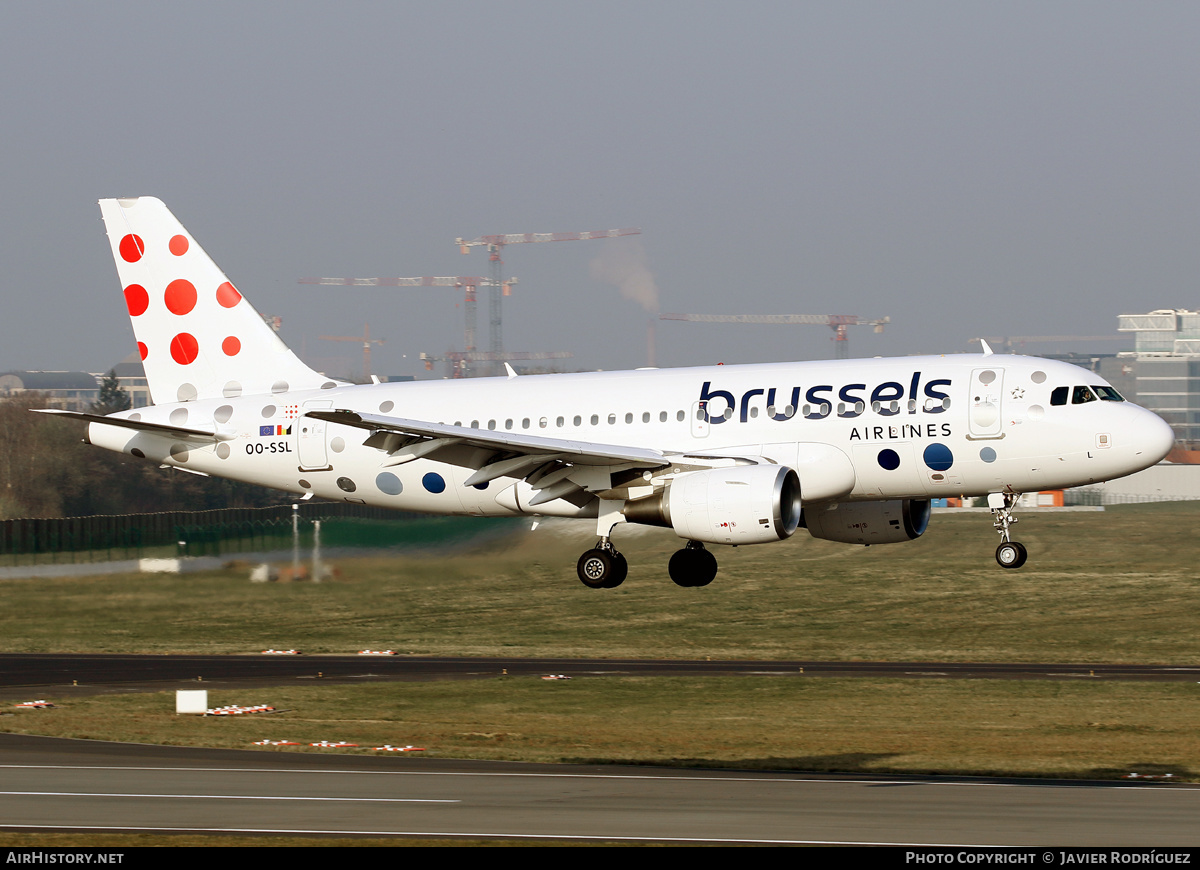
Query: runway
{"x": 68, "y": 785}
{"x": 49, "y": 784}
{"x": 79, "y": 674}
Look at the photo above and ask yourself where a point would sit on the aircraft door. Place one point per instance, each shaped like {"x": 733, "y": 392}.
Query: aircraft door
{"x": 984, "y": 414}
{"x": 700, "y": 424}
{"x": 310, "y": 439}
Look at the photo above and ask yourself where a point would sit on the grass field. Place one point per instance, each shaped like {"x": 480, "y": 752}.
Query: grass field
{"x": 967, "y": 727}
{"x": 1118, "y": 586}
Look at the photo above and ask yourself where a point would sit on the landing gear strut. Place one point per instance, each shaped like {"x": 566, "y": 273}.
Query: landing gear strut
{"x": 602, "y": 567}
{"x": 1010, "y": 553}
{"x": 693, "y": 565}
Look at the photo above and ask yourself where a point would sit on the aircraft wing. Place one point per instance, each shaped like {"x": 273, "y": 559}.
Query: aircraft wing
{"x": 576, "y": 452}
{"x": 206, "y": 436}
{"x": 552, "y": 467}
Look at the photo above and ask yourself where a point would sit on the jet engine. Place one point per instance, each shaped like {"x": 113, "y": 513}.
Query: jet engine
{"x": 744, "y": 504}
{"x": 869, "y": 522}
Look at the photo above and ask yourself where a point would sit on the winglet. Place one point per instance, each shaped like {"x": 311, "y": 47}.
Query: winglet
{"x": 987, "y": 348}
{"x": 512, "y": 373}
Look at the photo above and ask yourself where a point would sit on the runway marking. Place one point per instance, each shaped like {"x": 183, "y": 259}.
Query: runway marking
{"x": 491, "y": 835}
{"x": 227, "y": 797}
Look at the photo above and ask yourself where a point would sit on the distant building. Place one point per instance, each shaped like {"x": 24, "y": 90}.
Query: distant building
{"x": 131, "y": 375}
{"x": 69, "y": 391}
{"x": 1165, "y": 369}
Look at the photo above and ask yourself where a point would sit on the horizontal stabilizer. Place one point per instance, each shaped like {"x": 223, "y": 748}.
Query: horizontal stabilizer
{"x": 207, "y": 436}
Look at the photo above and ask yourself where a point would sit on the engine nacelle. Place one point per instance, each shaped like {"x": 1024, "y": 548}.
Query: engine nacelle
{"x": 869, "y": 522}
{"x": 743, "y": 504}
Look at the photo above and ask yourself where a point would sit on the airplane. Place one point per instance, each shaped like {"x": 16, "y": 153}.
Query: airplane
{"x": 852, "y": 450}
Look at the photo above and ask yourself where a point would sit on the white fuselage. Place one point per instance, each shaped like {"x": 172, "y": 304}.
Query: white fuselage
{"x": 910, "y": 427}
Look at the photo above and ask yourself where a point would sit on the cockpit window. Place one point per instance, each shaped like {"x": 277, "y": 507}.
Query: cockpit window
{"x": 1108, "y": 394}
{"x": 1082, "y": 395}
{"x": 1059, "y": 396}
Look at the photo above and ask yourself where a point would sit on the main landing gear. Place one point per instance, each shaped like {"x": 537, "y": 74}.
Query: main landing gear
{"x": 693, "y": 565}
{"x": 1010, "y": 553}
{"x": 602, "y": 567}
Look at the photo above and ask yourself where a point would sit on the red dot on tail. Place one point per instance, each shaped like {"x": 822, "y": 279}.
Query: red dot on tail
{"x": 228, "y": 296}
{"x": 180, "y": 296}
{"x": 231, "y": 345}
{"x": 178, "y": 245}
{"x": 131, "y": 248}
{"x": 184, "y": 348}
{"x": 142, "y": 350}
{"x": 136, "y": 299}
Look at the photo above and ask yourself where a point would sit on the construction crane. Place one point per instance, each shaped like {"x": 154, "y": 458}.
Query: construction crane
{"x": 465, "y": 283}
{"x": 366, "y": 340}
{"x": 837, "y": 322}
{"x": 495, "y": 244}
{"x": 456, "y": 360}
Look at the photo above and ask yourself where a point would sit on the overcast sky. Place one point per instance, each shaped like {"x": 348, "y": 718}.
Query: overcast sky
{"x": 965, "y": 168}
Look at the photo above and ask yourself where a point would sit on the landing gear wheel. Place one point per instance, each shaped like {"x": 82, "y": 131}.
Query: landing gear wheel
{"x": 692, "y": 566}
{"x": 620, "y": 571}
{"x": 602, "y": 569}
{"x": 1011, "y": 554}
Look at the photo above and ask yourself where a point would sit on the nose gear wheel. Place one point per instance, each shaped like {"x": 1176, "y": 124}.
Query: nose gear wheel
{"x": 1010, "y": 553}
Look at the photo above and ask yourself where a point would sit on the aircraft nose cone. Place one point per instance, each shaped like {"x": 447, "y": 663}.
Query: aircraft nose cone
{"x": 1151, "y": 435}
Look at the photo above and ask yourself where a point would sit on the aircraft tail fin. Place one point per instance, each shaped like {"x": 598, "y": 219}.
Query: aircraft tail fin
{"x": 197, "y": 336}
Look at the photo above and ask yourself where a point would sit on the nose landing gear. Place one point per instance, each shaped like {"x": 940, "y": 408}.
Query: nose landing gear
{"x": 1010, "y": 553}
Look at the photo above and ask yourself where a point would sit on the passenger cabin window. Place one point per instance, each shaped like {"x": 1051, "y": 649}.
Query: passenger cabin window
{"x": 1082, "y": 395}
{"x": 1058, "y": 396}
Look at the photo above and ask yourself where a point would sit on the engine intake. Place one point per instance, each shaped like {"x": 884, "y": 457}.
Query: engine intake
{"x": 745, "y": 504}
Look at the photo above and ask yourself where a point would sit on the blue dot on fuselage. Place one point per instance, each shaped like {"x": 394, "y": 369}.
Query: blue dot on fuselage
{"x": 938, "y": 457}
{"x": 987, "y": 454}
{"x": 889, "y": 459}
{"x": 433, "y": 482}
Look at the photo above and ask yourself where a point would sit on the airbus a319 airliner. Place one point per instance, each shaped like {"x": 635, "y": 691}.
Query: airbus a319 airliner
{"x": 853, "y": 450}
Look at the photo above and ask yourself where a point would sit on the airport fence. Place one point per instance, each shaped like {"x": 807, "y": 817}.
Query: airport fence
{"x": 216, "y": 532}
{"x": 1073, "y": 497}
